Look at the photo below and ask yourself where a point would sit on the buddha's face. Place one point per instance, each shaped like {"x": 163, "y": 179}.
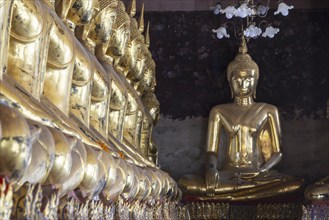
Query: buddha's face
{"x": 81, "y": 12}
{"x": 138, "y": 69}
{"x": 148, "y": 82}
{"x": 243, "y": 82}
{"x": 132, "y": 52}
{"x": 119, "y": 40}
{"x": 102, "y": 25}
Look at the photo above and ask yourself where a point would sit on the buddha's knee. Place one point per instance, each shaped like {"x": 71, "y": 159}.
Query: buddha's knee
{"x": 317, "y": 192}
{"x": 192, "y": 184}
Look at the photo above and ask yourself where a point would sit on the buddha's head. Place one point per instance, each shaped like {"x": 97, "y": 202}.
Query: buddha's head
{"x": 80, "y": 12}
{"x": 243, "y": 74}
{"x": 120, "y": 33}
{"x": 133, "y": 49}
{"x": 136, "y": 73}
{"x": 102, "y": 25}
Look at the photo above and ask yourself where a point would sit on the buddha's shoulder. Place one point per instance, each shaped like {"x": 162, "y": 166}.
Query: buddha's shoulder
{"x": 222, "y": 108}
{"x": 267, "y": 107}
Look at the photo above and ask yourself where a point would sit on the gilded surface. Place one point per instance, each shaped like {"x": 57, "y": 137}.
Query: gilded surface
{"x": 71, "y": 125}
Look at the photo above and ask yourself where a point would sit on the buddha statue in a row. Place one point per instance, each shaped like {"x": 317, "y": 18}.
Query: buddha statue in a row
{"x": 148, "y": 146}
{"x": 319, "y": 191}
{"x": 243, "y": 144}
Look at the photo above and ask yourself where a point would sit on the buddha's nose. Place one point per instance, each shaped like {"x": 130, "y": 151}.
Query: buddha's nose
{"x": 244, "y": 84}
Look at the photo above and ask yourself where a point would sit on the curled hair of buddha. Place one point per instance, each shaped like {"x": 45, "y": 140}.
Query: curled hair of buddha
{"x": 242, "y": 61}
{"x": 149, "y": 61}
{"x": 121, "y": 6}
{"x": 122, "y": 16}
{"x": 135, "y": 34}
{"x": 108, "y": 3}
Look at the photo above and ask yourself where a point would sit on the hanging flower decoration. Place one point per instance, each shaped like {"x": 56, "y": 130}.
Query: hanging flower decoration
{"x": 244, "y": 13}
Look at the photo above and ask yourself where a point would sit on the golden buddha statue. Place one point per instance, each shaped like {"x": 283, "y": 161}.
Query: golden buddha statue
{"x": 62, "y": 165}
{"x": 116, "y": 181}
{"x": 243, "y": 169}
{"x": 133, "y": 55}
{"x": 114, "y": 42}
{"x": 79, "y": 160}
{"x": 118, "y": 104}
{"x": 28, "y": 38}
{"x": 5, "y": 25}
{"x": 42, "y": 157}
{"x": 129, "y": 127}
{"x": 80, "y": 95}
{"x": 94, "y": 175}
{"x": 148, "y": 146}
{"x": 60, "y": 64}
{"x": 148, "y": 81}
{"x": 100, "y": 99}
{"x": 16, "y": 141}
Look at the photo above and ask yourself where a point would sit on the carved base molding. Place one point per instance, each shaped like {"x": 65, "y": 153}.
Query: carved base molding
{"x": 278, "y": 210}
{"x": 38, "y": 202}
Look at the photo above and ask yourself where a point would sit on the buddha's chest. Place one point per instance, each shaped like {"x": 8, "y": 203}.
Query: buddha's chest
{"x": 244, "y": 122}
{"x": 243, "y": 126}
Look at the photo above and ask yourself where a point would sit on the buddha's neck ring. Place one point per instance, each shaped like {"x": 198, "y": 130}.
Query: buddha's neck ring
{"x": 244, "y": 101}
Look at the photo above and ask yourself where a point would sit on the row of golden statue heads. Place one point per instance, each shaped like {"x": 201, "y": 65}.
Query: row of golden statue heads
{"x": 77, "y": 100}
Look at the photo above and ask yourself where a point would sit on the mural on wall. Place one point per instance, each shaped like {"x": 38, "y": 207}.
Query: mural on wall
{"x": 191, "y": 79}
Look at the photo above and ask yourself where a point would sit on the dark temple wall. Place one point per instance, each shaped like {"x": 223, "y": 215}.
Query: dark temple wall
{"x": 191, "y": 79}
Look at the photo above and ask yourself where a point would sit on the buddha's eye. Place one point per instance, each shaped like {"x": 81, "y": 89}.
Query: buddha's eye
{"x": 239, "y": 80}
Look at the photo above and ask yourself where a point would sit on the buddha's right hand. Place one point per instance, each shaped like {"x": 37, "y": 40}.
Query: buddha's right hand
{"x": 212, "y": 181}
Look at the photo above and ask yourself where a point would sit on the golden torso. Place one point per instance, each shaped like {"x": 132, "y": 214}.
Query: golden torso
{"x": 245, "y": 127}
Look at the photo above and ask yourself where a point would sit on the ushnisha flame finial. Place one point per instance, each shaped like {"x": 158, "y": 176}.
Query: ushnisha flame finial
{"x": 132, "y": 8}
{"x": 242, "y": 61}
{"x": 141, "y": 20}
{"x": 147, "y": 35}
{"x": 243, "y": 46}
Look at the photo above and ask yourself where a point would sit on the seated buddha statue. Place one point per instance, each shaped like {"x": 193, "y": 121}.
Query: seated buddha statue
{"x": 318, "y": 191}
{"x": 148, "y": 81}
{"x": 28, "y": 38}
{"x": 241, "y": 168}
{"x": 131, "y": 62}
{"x": 5, "y": 26}
{"x": 148, "y": 146}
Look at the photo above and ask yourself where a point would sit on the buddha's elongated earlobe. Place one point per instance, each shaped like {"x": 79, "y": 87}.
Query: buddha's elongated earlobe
{"x": 254, "y": 94}
{"x": 232, "y": 94}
